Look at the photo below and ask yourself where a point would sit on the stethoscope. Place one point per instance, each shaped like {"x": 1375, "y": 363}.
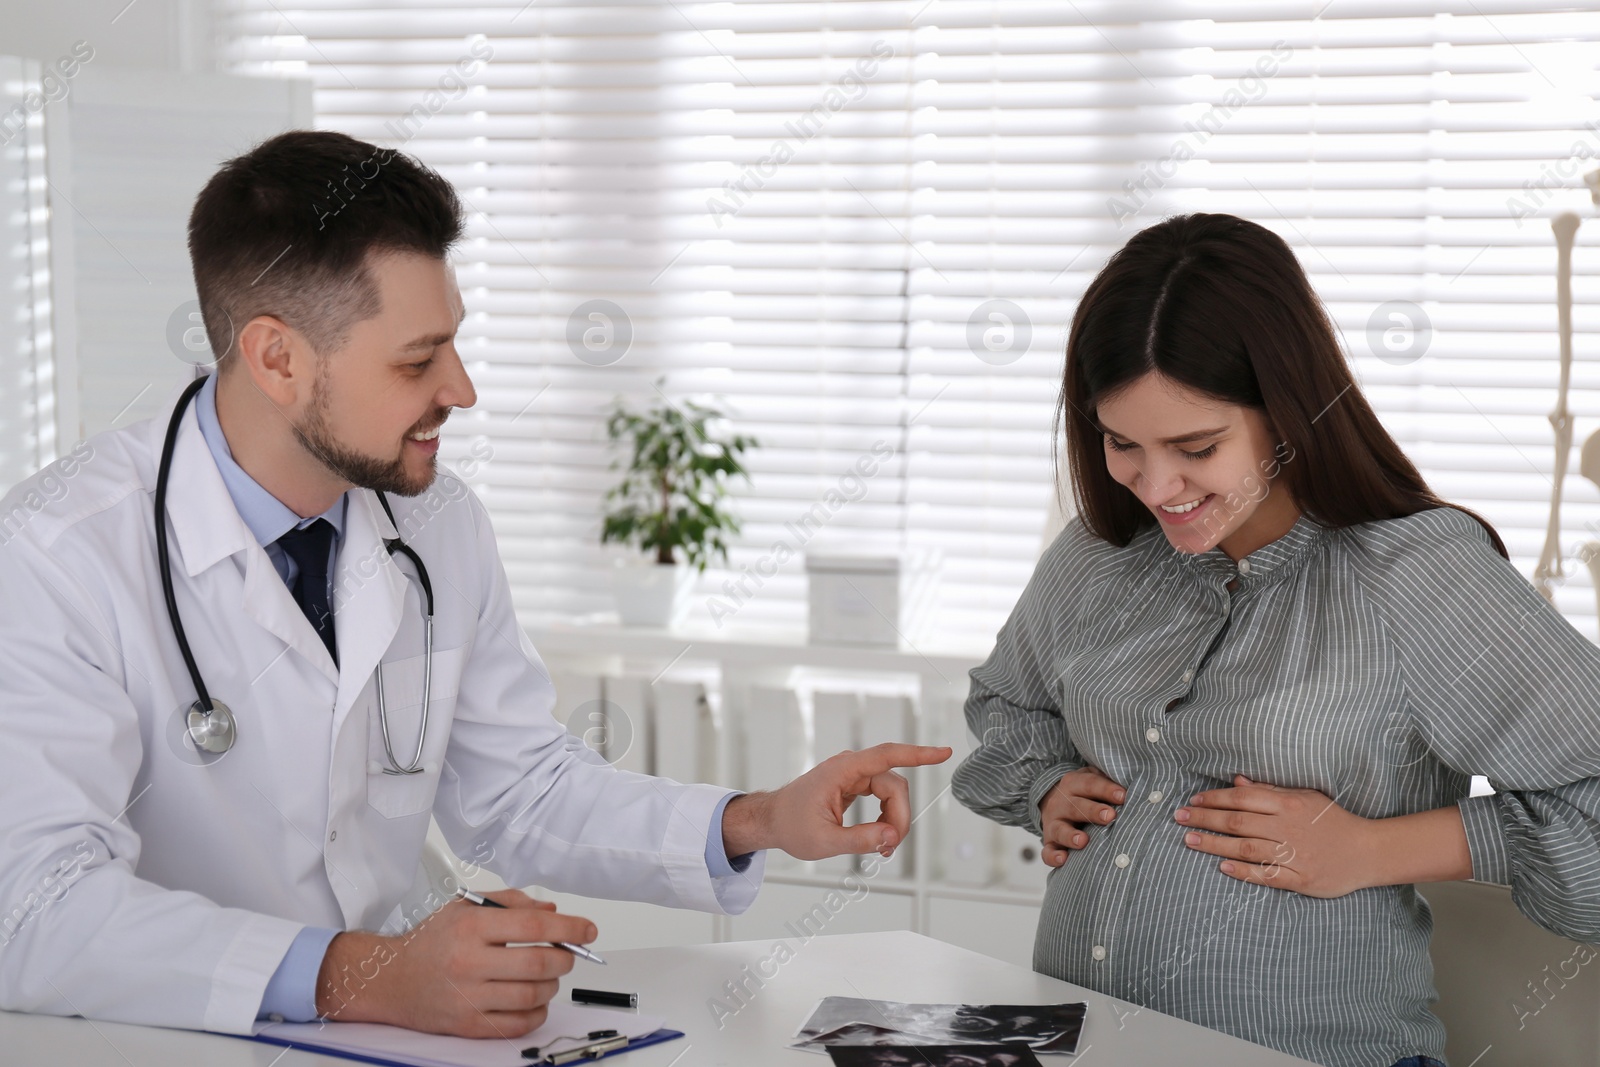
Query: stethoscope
{"x": 211, "y": 724}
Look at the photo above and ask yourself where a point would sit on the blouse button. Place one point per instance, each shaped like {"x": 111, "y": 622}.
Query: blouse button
{"x": 1155, "y": 796}
{"x": 1122, "y": 860}
{"x": 1188, "y": 676}
{"x": 1244, "y": 566}
{"x": 1098, "y": 952}
{"x": 1152, "y": 735}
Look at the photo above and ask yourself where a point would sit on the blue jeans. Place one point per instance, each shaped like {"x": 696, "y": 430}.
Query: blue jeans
{"x": 1419, "y": 1061}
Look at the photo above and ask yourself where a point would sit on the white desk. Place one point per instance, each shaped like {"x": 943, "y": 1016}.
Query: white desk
{"x": 677, "y": 982}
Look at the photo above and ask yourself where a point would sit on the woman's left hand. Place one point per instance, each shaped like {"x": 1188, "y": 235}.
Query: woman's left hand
{"x": 1295, "y": 839}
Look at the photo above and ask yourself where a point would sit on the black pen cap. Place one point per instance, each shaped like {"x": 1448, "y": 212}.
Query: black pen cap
{"x": 601, "y": 996}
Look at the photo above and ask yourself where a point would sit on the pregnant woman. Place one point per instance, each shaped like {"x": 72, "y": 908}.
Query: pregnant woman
{"x": 1277, "y": 658}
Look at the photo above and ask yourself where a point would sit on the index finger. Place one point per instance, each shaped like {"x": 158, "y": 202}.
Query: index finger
{"x": 513, "y": 898}
{"x": 880, "y": 758}
{"x": 1097, "y": 785}
{"x": 526, "y": 925}
{"x": 1242, "y": 798}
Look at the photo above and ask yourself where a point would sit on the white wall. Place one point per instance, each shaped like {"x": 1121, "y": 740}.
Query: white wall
{"x": 172, "y": 35}
{"x": 142, "y": 123}
{"x": 41, "y": 404}
{"x": 138, "y": 146}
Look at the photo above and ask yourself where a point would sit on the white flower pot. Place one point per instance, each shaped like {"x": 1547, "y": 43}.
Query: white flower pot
{"x": 650, "y": 593}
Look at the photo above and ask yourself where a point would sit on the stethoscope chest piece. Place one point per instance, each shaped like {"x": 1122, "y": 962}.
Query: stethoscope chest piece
{"x": 211, "y": 731}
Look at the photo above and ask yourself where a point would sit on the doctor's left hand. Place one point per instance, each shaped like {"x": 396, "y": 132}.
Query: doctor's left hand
{"x": 806, "y": 817}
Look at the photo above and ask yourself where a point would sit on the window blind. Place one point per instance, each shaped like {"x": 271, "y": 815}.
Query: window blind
{"x": 862, "y": 227}
{"x": 27, "y": 372}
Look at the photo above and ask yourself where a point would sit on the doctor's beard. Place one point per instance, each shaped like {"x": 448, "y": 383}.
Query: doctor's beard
{"x": 380, "y": 475}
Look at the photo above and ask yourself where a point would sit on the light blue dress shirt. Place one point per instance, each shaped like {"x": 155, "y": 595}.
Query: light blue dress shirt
{"x": 292, "y": 992}
{"x": 268, "y": 517}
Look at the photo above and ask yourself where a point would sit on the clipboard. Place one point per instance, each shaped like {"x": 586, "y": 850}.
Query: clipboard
{"x": 653, "y": 1038}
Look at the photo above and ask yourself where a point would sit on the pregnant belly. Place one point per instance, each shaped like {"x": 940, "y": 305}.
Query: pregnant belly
{"x": 1150, "y": 903}
{"x": 1168, "y": 931}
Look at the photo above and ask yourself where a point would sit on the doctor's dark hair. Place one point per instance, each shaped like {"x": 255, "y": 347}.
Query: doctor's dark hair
{"x": 1221, "y": 305}
{"x": 287, "y": 228}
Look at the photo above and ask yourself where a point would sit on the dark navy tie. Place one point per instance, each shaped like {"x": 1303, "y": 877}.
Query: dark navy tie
{"x": 310, "y": 548}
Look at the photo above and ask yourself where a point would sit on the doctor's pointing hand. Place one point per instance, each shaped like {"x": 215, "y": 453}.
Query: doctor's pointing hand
{"x": 805, "y": 817}
{"x": 253, "y": 648}
{"x": 497, "y": 990}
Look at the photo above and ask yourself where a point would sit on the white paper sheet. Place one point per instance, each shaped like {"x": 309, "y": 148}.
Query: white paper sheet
{"x": 435, "y": 1050}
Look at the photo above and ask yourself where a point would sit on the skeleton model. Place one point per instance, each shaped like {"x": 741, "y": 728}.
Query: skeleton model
{"x": 1565, "y": 226}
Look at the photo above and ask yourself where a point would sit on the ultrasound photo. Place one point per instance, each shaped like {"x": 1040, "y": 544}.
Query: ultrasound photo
{"x": 856, "y": 1022}
{"x": 932, "y": 1056}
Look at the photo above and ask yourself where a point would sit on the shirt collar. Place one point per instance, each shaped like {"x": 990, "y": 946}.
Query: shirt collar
{"x": 1267, "y": 563}
{"x": 267, "y": 517}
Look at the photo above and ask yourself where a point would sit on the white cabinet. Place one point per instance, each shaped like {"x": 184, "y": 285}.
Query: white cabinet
{"x": 1021, "y": 864}
{"x": 622, "y": 923}
{"x": 756, "y": 713}
{"x": 1004, "y": 931}
{"x": 628, "y": 924}
{"x": 852, "y": 905}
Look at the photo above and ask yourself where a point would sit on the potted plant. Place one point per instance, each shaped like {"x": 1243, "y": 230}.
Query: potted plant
{"x": 672, "y": 504}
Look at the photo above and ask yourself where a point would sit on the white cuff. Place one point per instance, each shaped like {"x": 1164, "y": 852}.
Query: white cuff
{"x": 246, "y": 967}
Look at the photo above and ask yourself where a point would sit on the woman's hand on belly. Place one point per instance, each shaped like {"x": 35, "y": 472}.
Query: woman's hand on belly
{"x": 1073, "y": 802}
{"x": 1295, "y": 839}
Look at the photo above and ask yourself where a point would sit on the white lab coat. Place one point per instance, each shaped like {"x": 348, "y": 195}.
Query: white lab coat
{"x": 138, "y": 884}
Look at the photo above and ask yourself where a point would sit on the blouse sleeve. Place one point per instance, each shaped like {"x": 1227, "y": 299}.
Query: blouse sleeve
{"x": 1499, "y": 684}
{"x": 1013, "y": 708}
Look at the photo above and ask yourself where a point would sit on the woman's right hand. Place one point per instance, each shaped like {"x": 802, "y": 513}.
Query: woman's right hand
{"x": 1072, "y": 802}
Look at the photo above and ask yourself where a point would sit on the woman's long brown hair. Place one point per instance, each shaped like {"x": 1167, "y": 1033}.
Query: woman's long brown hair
{"x": 1221, "y": 305}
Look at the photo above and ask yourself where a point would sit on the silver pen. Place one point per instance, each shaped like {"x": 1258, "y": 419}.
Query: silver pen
{"x": 484, "y": 902}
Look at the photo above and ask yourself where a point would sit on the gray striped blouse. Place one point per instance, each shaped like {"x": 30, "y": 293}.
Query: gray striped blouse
{"x": 1382, "y": 664}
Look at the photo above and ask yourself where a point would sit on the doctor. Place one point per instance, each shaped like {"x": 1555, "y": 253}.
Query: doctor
{"x": 167, "y": 862}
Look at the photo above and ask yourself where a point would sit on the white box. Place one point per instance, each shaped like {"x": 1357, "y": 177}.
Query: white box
{"x": 868, "y": 600}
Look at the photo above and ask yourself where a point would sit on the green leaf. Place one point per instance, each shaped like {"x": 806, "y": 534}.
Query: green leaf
{"x": 672, "y": 500}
